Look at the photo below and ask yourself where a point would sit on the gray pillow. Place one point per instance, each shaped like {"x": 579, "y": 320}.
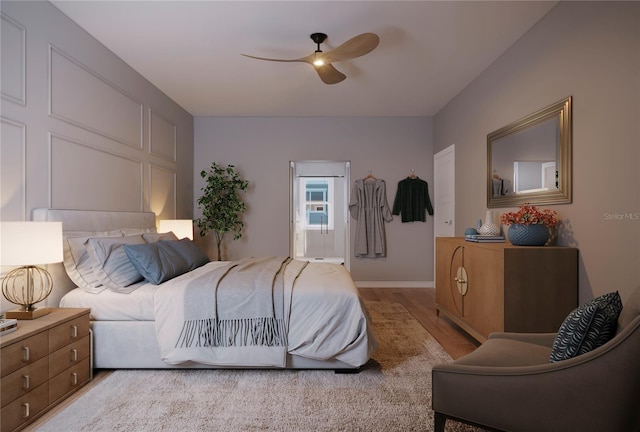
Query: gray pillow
{"x": 587, "y": 327}
{"x": 189, "y": 251}
{"x": 110, "y": 263}
{"x": 156, "y": 262}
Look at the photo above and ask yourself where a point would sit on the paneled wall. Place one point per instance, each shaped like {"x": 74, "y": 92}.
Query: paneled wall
{"x": 80, "y": 128}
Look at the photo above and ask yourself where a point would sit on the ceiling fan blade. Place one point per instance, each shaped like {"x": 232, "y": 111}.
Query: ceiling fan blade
{"x": 329, "y": 75}
{"x": 354, "y": 47}
{"x": 307, "y": 59}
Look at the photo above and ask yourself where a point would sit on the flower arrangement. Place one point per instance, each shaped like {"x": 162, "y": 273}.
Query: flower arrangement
{"x": 528, "y": 214}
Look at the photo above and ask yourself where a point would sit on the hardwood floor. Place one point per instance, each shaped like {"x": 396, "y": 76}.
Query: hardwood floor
{"x": 420, "y": 302}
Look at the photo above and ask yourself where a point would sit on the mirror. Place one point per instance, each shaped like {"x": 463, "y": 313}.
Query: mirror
{"x": 529, "y": 161}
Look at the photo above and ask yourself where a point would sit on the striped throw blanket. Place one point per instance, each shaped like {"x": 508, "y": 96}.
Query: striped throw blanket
{"x": 232, "y": 314}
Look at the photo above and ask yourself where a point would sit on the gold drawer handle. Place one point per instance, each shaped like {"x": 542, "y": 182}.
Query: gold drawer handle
{"x": 74, "y": 355}
{"x": 25, "y": 357}
{"x": 25, "y": 382}
{"x": 74, "y": 378}
{"x": 26, "y": 412}
{"x": 74, "y": 331}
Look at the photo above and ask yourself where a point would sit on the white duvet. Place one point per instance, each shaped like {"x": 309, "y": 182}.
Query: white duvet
{"x": 327, "y": 319}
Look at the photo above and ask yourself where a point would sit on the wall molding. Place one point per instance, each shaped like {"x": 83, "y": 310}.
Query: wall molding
{"x": 21, "y": 97}
{"x": 23, "y": 161}
{"x": 138, "y": 162}
{"x": 173, "y": 199}
{"x": 138, "y": 144}
{"x": 172, "y": 131}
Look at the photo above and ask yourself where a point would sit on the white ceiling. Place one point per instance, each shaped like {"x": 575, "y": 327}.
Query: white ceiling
{"x": 429, "y": 51}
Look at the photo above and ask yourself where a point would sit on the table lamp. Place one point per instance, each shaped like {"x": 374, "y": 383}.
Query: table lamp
{"x": 180, "y": 227}
{"x": 29, "y": 244}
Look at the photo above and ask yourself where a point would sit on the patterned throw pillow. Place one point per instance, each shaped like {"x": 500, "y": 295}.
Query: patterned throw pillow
{"x": 587, "y": 327}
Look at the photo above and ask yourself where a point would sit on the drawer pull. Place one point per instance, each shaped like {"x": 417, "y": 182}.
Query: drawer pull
{"x": 25, "y": 413}
{"x": 74, "y": 331}
{"x": 74, "y": 355}
{"x": 25, "y": 356}
{"x": 25, "y": 382}
{"x": 74, "y": 378}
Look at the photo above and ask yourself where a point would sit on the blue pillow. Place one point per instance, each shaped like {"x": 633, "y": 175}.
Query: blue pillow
{"x": 189, "y": 252}
{"x": 587, "y": 327}
{"x": 156, "y": 262}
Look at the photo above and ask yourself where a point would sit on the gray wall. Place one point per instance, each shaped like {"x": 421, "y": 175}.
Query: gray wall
{"x": 80, "y": 128}
{"x": 590, "y": 50}
{"x": 261, "y": 149}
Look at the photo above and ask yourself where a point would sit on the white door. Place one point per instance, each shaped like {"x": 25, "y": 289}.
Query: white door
{"x": 319, "y": 211}
{"x": 444, "y": 180}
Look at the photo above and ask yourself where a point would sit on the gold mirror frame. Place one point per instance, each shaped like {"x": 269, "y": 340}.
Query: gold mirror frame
{"x": 563, "y": 194}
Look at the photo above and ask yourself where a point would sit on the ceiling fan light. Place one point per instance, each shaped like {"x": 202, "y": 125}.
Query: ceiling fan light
{"x": 318, "y": 59}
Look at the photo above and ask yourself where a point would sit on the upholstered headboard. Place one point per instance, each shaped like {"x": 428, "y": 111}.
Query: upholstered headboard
{"x": 86, "y": 220}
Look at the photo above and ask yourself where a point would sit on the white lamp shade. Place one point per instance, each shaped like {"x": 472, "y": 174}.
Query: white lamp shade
{"x": 180, "y": 227}
{"x": 30, "y": 243}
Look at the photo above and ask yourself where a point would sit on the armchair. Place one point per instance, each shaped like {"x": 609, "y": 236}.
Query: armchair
{"x": 508, "y": 383}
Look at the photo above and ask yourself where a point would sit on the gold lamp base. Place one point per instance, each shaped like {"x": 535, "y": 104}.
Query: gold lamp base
{"x": 27, "y": 286}
{"x": 22, "y": 314}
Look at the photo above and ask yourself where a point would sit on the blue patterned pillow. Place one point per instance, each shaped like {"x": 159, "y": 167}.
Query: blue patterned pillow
{"x": 587, "y": 327}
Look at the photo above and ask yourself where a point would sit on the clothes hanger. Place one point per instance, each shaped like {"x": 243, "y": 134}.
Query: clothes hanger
{"x": 370, "y": 176}
{"x": 413, "y": 174}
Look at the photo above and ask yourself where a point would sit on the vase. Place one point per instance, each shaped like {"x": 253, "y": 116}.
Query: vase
{"x": 489, "y": 228}
{"x": 528, "y": 235}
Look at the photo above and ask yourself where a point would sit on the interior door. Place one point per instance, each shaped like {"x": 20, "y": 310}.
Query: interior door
{"x": 444, "y": 189}
{"x": 319, "y": 211}
{"x": 444, "y": 202}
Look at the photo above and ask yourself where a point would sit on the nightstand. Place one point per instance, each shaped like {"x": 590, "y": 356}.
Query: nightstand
{"x": 42, "y": 363}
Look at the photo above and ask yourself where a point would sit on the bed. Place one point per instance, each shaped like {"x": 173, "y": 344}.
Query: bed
{"x": 326, "y": 325}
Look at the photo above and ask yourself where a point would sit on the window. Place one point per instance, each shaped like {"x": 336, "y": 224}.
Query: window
{"x": 316, "y": 202}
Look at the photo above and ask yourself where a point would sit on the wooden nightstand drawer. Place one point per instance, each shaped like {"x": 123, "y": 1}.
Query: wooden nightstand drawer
{"x": 26, "y": 408}
{"x": 43, "y": 361}
{"x": 24, "y": 380}
{"x": 69, "y": 380}
{"x": 68, "y": 356}
{"x": 68, "y": 332}
{"x": 25, "y": 352}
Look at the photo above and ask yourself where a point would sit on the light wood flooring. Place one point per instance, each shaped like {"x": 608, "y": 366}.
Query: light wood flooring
{"x": 420, "y": 302}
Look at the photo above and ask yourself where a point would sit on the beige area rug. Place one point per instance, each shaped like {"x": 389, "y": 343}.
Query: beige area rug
{"x": 391, "y": 393}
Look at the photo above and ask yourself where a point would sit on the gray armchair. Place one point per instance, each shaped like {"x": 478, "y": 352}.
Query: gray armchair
{"x": 508, "y": 384}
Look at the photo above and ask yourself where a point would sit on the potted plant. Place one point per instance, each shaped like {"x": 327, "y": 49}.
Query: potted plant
{"x": 529, "y": 226}
{"x": 221, "y": 204}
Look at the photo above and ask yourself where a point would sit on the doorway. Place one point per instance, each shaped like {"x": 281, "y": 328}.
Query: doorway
{"x": 319, "y": 198}
{"x": 444, "y": 180}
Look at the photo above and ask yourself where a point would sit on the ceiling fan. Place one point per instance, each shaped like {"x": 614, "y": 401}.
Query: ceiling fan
{"x": 322, "y": 61}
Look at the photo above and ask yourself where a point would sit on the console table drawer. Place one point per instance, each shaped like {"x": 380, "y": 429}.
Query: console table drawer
{"x": 23, "y": 380}
{"x": 68, "y": 356}
{"x": 25, "y": 408}
{"x": 68, "y": 332}
{"x": 69, "y": 380}
{"x": 25, "y": 352}
{"x": 43, "y": 361}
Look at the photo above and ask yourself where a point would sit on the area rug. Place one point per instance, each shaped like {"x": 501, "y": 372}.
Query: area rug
{"x": 391, "y": 393}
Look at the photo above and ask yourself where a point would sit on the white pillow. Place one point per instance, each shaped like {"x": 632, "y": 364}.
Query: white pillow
{"x": 110, "y": 263}
{"x": 156, "y": 237}
{"x": 77, "y": 262}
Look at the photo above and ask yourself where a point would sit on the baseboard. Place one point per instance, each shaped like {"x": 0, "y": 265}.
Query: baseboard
{"x": 394, "y": 284}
